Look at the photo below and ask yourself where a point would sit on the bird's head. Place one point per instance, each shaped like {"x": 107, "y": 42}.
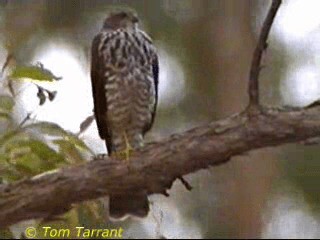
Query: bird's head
{"x": 121, "y": 19}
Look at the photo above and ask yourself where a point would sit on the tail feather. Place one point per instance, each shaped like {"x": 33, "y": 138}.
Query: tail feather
{"x": 125, "y": 205}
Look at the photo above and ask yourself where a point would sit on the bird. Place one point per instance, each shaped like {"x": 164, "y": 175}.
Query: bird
{"x": 124, "y": 78}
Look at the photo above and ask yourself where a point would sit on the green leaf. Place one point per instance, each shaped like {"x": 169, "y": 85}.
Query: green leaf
{"x": 6, "y": 103}
{"x": 37, "y": 72}
{"x": 91, "y": 214}
{"x": 44, "y": 152}
{"x": 6, "y": 234}
{"x": 69, "y": 151}
{"x": 48, "y": 128}
{"x": 53, "y": 129}
{"x": 3, "y": 158}
{"x": 5, "y": 116}
{"x": 43, "y": 157}
{"x": 28, "y": 165}
{"x": 11, "y": 135}
{"x": 79, "y": 143}
{"x": 8, "y": 170}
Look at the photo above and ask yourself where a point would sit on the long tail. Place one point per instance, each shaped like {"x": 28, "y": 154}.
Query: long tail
{"x": 123, "y": 206}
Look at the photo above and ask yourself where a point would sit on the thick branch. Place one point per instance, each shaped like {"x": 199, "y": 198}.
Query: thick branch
{"x": 253, "y": 88}
{"x": 156, "y": 166}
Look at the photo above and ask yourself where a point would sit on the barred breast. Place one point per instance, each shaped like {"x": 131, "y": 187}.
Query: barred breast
{"x": 129, "y": 84}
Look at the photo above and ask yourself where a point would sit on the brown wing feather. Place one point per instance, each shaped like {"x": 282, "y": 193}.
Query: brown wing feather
{"x": 155, "y": 71}
{"x": 99, "y": 92}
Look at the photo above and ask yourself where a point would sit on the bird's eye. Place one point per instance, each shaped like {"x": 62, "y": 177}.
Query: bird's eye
{"x": 135, "y": 19}
{"x": 123, "y": 15}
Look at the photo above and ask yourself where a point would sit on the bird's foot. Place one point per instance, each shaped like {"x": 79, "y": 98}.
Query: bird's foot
{"x": 123, "y": 155}
{"x": 101, "y": 156}
{"x": 128, "y": 148}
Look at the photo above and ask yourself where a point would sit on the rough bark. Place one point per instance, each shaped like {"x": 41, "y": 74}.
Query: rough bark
{"x": 155, "y": 167}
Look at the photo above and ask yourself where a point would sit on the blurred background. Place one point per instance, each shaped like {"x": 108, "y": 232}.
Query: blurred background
{"x": 205, "y": 50}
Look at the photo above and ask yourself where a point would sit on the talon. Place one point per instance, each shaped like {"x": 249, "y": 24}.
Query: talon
{"x": 101, "y": 156}
{"x": 122, "y": 155}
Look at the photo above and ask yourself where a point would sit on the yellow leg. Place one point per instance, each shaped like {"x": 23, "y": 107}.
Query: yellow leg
{"x": 124, "y": 154}
{"x": 128, "y": 147}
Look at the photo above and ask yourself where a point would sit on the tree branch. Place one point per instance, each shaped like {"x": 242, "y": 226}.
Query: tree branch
{"x": 253, "y": 88}
{"x": 156, "y": 166}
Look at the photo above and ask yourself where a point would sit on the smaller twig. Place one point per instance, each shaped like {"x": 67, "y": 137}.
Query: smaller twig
{"x": 253, "y": 88}
{"x": 185, "y": 183}
{"x": 311, "y": 141}
{"x": 314, "y": 104}
{"x": 25, "y": 119}
{"x": 6, "y": 63}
